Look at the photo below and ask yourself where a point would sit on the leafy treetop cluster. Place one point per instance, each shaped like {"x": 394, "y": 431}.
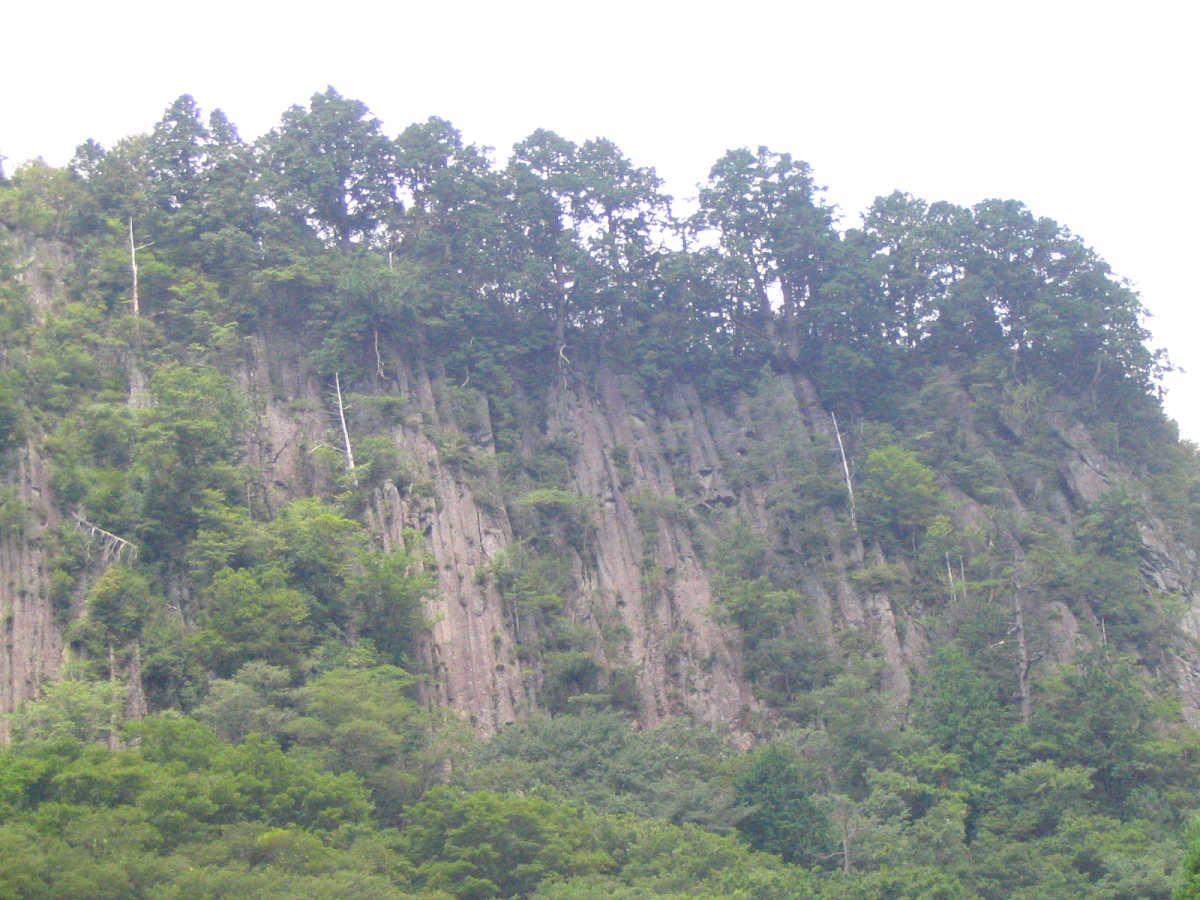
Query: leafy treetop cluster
{"x": 327, "y": 223}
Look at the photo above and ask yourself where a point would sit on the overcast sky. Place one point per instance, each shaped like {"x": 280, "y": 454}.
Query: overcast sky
{"x": 1086, "y": 112}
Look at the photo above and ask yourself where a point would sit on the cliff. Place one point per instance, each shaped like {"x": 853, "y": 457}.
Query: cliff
{"x": 651, "y": 488}
{"x": 669, "y": 467}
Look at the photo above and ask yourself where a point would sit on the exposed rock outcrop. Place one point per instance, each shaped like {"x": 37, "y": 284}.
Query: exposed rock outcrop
{"x": 659, "y": 478}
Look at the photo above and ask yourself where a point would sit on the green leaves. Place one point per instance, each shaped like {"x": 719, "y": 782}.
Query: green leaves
{"x": 784, "y": 819}
{"x": 330, "y": 167}
{"x": 483, "y": 845}
{"x": 898, "y": 496}
{"x": 977, "y": 335}
{"x": 253, "y": 614}
{"x": 119, "y": 603}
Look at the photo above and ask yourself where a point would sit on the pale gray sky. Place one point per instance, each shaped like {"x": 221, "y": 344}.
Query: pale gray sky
{"x": 1085, "y": 111}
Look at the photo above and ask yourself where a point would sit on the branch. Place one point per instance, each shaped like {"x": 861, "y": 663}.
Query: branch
{"x": 113, "y": 545}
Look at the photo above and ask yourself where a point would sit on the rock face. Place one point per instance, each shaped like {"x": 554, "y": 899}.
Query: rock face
{"x": 643, "y": 576}
{"x": 33, "y": 645}
{"x": 658, "y": 480}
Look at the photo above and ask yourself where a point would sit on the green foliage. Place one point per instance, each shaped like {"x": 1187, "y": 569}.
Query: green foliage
{"x": 253, "y": 614}
{"x": 963, "y": 711}
{"x": 1035, "y": 798}
{"x": 1097, "y": 715}
{"x": 483, "y": 845}
{"x": 70, "y": 709}
{"x": 255, "y": 701}
{"x": 365, "y": 721}
{"x": 533, "y": 582}
{"x": 675, "y": 771}
{"x": 547, "y": 514}
{"x": 784, "y": 819}
{"x": 119, "y": 603}
{"x": 387, "y": 594}
{"x": 1110, "y": 529}
{"x": 318, "y": 546}
{"x": 14, "y": 514}
{"x": 898, "y": 496}
{"x": 784, "y": 656}
{"x": 1189, "y": 889}
{"x": 330, "y": 167}
{"x": 10, "y": 416}
{"x": 960, "y": 347}
{"x": 133, "y": 821}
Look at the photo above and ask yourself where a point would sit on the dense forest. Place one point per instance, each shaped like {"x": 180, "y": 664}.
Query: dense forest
{"x": 377, "y": 520}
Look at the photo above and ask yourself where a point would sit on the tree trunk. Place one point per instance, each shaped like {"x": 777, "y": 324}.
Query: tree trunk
{"x": 1023, "y": 661}
{"x": 137, "y": 381}
{"x": 112, "y": 684}
{"x": 846, "y": 471}
{"x": 133, "y": 271}
{"x": 337, "y": 384}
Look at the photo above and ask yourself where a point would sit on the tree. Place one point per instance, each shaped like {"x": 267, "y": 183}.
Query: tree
{"x": 119, "y": 603}
{"x": 776, "y": 236}
{"x": 451, "y": 196}
{"x": 550, "y": 275}
{"x": 364, "y": 720}
{"x": 896, "y": 232}
{"x": 177, "y": 154}
{"x": 388, "y": 593}
{"x": 482, "y": 845}
{"x": 1095, "y": 714}
{"x": 898, "y": 495}
{"x": 621, "y": 208}
{"x": 81, "y": 710}
{"x": 784, "y": 819}
{"x": 252, "y": 701}
{"x": 963, "y": 711}
{"x": 254, "y": 615}
{"x": 187, "y": 443}
{"x": 1189, "y": 888}
{"x": 331, "y": 168}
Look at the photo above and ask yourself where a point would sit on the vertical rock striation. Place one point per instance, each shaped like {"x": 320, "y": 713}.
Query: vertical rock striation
{"x": 32, "y": 649}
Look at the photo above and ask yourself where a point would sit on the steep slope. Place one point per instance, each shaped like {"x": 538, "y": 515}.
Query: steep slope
{"x": 667, "y": 467}
{"x": 653, "y": 488}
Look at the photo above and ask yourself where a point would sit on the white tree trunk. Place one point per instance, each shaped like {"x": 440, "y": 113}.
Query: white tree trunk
{"x": 846, "y": 470}
{"x": 133, "y": 271}
{"x": 337, "y": 384}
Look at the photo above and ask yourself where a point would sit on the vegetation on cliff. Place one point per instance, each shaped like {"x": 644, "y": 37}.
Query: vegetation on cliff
{"x": 946, "y": 418}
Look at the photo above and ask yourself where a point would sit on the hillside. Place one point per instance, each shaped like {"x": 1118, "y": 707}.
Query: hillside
{"x": 854, "y": 561}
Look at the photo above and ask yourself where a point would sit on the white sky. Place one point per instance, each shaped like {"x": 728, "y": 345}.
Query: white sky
{"x": 1085, "y": 111}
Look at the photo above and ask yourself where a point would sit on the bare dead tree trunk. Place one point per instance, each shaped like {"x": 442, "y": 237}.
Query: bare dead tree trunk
{"x": 337, "y": 384}
{"x": 135, "y": 703}
{"x": 846, "y": 820}
{"x": 133, "y": 271}
{"x": 134, "y": 299}
{"x": 137, "y": 381}
{"x": 112, "y": 685}
{"x": 1023, "y": 659}
{"x": 563, "y": 364}
{"x": 111, "y": 545}
{"x": 846, "y": 470}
